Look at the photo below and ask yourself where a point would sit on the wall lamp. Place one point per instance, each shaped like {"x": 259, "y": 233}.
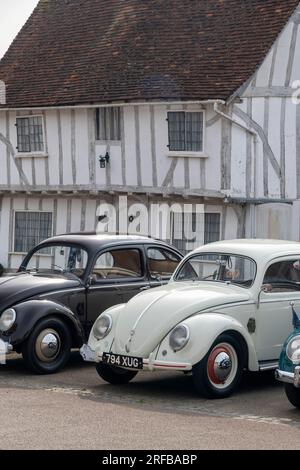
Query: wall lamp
{"x": 104, "y": 160}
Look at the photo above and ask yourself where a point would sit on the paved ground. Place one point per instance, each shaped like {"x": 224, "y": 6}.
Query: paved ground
{"x": 76, "y": 410}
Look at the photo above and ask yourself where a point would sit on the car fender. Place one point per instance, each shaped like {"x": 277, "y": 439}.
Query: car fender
{"x": 204, "y": 329}
{"x": 105, "y": 344}
{"x": 29, "y": 313}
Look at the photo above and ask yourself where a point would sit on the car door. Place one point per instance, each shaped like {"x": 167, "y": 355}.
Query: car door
{"x": 117, "y": 275}
{"x": 281, "y": 286}
{"x": 161, "y": 263}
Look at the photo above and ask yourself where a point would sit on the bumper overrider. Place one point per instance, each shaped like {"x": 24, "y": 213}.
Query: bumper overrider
{"x": 289, "y": 377}
{"x": 150, "y": 363}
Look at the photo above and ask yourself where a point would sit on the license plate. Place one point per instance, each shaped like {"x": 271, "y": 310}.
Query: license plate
{"x": 123, "y": 361}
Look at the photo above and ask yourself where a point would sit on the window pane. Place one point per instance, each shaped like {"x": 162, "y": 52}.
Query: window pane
{"x": 283, "y": 276}
{"x": 30, "y": 229}
{"x": 191, "y": 224}
{"x": 23, "y": 134}
{"x": 108, "y": 124}
{"x": 118, "y": 264}
{"x": 30, "y": 134}
{"x": 212, "y": 228}
{"x": 161, "y": 263}
{"x": 216, "y": 267}
{"x": 176, "y": 131}
{"x": 194, "y": 132}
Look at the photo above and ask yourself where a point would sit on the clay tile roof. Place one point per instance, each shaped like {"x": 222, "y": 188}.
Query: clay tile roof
{"x": 88, "y": 51}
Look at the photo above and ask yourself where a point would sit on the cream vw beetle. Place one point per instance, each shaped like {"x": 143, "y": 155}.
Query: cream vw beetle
{"x": 227, "y": 308}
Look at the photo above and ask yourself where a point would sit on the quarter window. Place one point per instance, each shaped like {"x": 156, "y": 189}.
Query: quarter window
{"x": 185, "y": 131}
{"x": 108, "y": 124}
{"x": 30, "y": 134}
{"x": 118, "y": 264}
{"x": 162, "y": 263}
{"x": 31, "y": 228}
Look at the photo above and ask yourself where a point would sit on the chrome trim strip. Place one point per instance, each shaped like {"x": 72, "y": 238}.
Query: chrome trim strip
{"x": 268, "y": 366}
{"x": 76, "y": 289}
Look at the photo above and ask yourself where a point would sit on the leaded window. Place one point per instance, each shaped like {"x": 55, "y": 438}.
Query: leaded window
{"x": 108, "y": 124}
{"x": 206, "y": 226}
{"x": 185, "y": 131}
{"x": 30, "y": 134}
{"x": 31, "y": 228}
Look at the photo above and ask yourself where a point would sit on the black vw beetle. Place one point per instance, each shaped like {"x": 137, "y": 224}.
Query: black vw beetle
{"x": 65, "y": 282}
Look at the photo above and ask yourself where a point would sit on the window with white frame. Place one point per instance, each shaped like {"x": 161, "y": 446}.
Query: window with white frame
{"x": 31, "y": 228}
{"x": 186, "y": 131}
{"x": 108, "y": 124}
{"x": 192, "y": 230}
{"x": 30, "y": 135}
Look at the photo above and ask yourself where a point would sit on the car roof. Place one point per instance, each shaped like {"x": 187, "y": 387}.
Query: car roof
{"x": 93, "y": 240}
{"x": 258, "y": 249}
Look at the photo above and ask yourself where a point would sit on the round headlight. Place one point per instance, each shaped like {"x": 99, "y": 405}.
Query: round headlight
{"x": 293, "y": 349}
{"x": 102, "y": 326}
{"x": 7, "y": 319}
{"x": 179, "y": 337}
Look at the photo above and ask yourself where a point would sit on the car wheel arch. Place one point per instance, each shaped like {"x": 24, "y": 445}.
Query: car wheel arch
{"x": 40, "y": 311}
{"x": 209, "y": 326}
{"x": 76, "y": 343}
{"x": 240, "y": 338}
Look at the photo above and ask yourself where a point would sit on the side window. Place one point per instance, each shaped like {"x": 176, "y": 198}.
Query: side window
{"x": 162, "y": 263}
{"x": 118, "y": 264}
{"x": 283, "y": 276}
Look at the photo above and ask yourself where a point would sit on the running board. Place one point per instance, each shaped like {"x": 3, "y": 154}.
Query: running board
{"x": 268, "y": 365}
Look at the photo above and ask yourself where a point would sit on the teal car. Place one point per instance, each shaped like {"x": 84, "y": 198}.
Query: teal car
{"x": 289, "y": 364}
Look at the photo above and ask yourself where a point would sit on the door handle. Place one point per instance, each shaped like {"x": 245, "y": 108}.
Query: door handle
{"x": 144, "y": 288}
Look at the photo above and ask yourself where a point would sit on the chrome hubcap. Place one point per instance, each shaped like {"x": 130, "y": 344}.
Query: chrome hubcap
{"x": 48, "y": 345}
{"x": 222, "y": 365}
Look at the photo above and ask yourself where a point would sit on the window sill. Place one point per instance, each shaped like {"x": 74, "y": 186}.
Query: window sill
{"x": 187, "y": 155}
{"x": 31, "y": 155}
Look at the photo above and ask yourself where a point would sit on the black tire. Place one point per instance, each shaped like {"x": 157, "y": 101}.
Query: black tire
{"x": 204, "y": 373}
{"x": 293, "y": 395}
{"x": 35, "y": 352}
{"x": 115, "y": 375}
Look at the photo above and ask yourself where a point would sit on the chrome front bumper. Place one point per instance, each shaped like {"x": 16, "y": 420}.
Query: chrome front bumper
{"x": 289, "y": 377}
{"x": 149, "y": 364}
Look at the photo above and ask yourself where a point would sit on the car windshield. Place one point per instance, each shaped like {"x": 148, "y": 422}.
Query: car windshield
{"x": 218, "y": 268}
{"x": 54, "y": 259}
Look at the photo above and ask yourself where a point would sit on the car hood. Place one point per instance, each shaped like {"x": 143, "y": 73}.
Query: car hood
{"x": 15, "y": 289}
{"x": 148, "y": 317}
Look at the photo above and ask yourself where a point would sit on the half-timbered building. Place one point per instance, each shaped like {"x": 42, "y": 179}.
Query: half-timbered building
{"x": 193, "y": 102}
